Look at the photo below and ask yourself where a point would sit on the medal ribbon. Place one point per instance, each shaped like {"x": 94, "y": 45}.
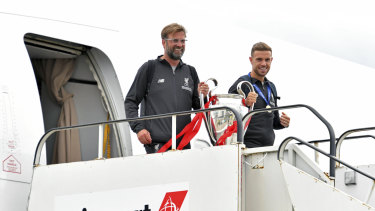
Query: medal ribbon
{"x": 261, "y": 93}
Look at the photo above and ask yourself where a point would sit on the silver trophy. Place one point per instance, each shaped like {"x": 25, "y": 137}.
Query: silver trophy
{"x": 220, "y": 122}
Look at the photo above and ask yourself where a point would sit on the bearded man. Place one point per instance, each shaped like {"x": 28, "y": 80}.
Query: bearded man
{"x": 164, "y": 85}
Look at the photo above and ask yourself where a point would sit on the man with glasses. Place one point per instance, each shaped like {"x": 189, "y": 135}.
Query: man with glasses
{"x": 164, "y": 85}
{"x": 260, "y": 131}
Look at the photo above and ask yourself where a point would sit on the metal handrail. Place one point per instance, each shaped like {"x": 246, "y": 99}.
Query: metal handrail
{"x": 316, "y": 142}
{"x": 280, "y": 156}
{"x": 329, "y": 127}
{"x": 45, "y": 136}
{"x": 346, "y": 138}
{"x": 345, "y": 134}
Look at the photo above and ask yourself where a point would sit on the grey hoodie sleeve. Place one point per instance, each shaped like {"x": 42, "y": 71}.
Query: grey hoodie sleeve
{"x": 135, "y": 96}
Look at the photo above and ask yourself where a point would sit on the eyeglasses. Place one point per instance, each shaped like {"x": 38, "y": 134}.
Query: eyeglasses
{"x": 175, "y": 41}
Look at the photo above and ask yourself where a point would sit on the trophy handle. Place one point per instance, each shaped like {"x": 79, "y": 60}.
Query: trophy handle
{"x": 239, "y": 90}
{"x": 215, "y": 83}
{"x": 208, "y": 98}
{"x": 201, "y": 97}
{"x": 207, "y": 116}
{"x": 245, "y": 121}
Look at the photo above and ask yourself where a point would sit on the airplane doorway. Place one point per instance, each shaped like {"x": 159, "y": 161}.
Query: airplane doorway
{"x": 65, "y": 70}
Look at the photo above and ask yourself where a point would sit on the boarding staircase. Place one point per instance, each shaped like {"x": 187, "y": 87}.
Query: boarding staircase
{"x": 229, "y": 177}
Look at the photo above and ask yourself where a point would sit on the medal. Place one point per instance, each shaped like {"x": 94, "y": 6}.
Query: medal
{"x": 268, "y": 106}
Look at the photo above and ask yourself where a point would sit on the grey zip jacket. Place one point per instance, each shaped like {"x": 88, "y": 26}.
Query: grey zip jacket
{"x": 168, "y": 92}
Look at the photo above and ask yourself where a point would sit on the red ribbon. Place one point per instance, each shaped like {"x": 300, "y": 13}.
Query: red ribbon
{"x": 193, "y": 127}
{"x": 229, "y": 131}
{"x": 190, "y": 129}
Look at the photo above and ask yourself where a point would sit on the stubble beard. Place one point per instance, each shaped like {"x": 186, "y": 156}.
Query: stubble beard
{"x": 260, "y": 72}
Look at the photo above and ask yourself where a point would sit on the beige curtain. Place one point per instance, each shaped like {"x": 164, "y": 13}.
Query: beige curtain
{"x": 56, "y": 73}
